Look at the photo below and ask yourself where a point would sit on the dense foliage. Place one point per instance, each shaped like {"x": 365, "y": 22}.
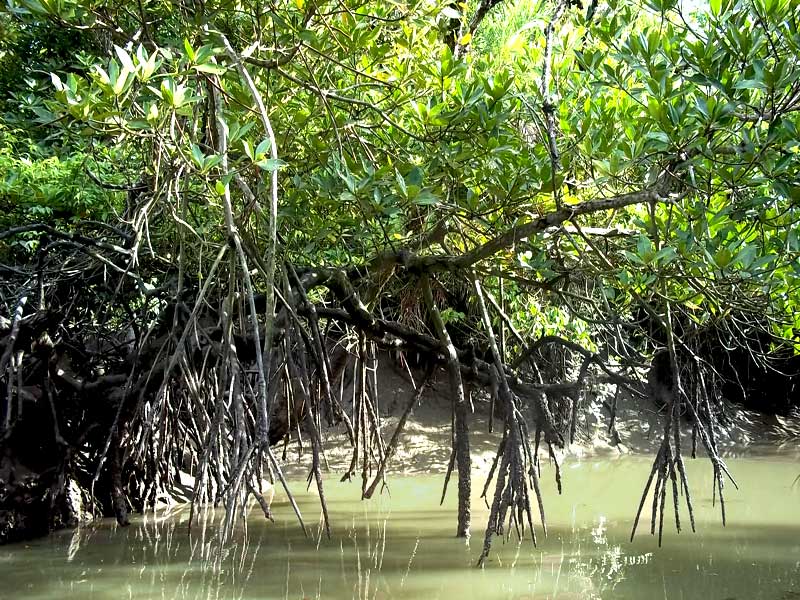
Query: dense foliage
{"x": 387, "y": 141}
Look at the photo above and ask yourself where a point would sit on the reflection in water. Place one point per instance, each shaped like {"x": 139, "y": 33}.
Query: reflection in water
{"x": 401, "y": 545}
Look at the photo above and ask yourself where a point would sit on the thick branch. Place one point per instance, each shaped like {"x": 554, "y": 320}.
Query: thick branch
{"x": 518, "y": 233}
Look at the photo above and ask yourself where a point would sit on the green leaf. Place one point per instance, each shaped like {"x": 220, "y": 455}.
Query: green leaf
{"x": 210, "y": 68}
{"x": 123, "y": 82}
{"x": 209, "y": 162}
{"x": 271, "y": 164}
{"x": 189, "y": 50}
{"x": 749, "y": 84}
{"x": 450, "y": 315}
{"x": 723, "y": 257}
{"x": 401, "y": 183}
{"x": 763, "y": 261}
{"x": 152, "y": 112}
{"x": 262, "y": 148}
{"x": 124, "y": 59}
{"x": 139, "y": 124}
{"x": 426, "y": 198}
{"x": 414, "y": 176}
{"x": 634, "y": 258}
{"x": 178, "y": 96}
{"x": 197, "y": 155}
{"x": 248, "y": 149}
{"x": 666, "y": 255}
{"x": 644, "y": 248}
{"x": 746, "y": 256}
{"x": 205, "y": 52}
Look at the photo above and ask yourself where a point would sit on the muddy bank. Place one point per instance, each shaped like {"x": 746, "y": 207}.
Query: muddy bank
{"x": 426, "y": 440}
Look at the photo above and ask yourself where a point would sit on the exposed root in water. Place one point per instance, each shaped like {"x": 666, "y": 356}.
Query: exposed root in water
{"x": 175, "y": 381}
{"x": 668, "y": 466}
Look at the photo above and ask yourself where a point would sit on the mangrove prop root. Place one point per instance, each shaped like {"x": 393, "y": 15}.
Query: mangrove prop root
{"x": 460, "y": 409}
{"x": 204, "y": 376}
{"x": 512, "y": 495}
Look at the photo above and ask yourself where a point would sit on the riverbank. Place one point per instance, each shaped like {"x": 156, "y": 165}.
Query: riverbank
{"x": 424, "y": 446}
{"x": 425, "y": 443}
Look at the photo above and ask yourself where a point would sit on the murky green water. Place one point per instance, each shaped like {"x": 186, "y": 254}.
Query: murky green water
{"x": 401, "y": 546}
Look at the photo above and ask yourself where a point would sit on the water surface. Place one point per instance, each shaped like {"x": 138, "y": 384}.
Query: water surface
{"x": 401, "y": 545}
